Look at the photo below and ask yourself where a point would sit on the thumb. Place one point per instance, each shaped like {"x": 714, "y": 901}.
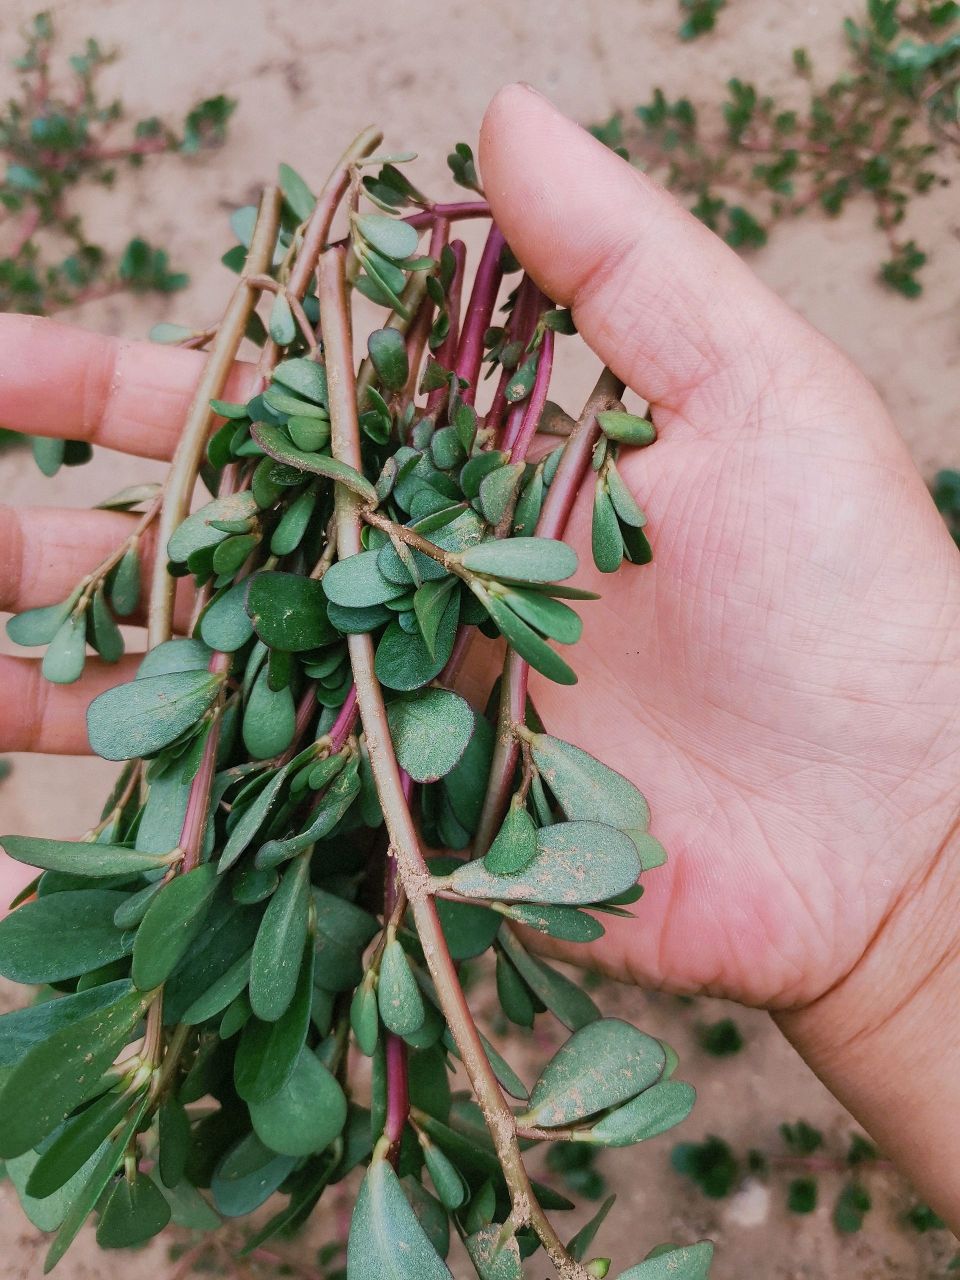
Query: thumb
{"x": 662, "y": 300}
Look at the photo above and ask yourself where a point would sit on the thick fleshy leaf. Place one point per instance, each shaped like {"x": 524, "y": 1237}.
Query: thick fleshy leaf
{"x": 293, "y": 524}
{"x": 606, "y": 540}
{"x": 225, "y": 624}
{"x": 103, "y": 632}
{"x": 22, "y": 1029}
{"x": 247, "y": 1176}
{"x": 430, "y": 732}
{"x": 268, "y": 1051}
{"x": 627, "y": 428}
{"x": 556, "y": 922}
{"x": 198, "y": 530}
{"x": 403, "y": 661}
{"x": 278, "y": 950}
{"x": 687, "y": 1262}
{"x": 387, "y": 1241}
{"x": 494, "y": 1259}
{"x": 429, "y": 605}
{"x": 305, "y": 377}
{"x": 548, "y": 616}
{"x": 343, "y": 930}
{"x": 281, "y": 325}
{"x": 175, "y": 655}
{"x": 142, "y": 717}
{"x": 62, "y": 935}
{"x": 522, "y": 559}
{"x": 47, "y": 1213}
{"x": 133, "y": 1212}
{"x": 269, "y": 718}
{"x": 125, "y": 584}
{"x": 91, "y": 1191}
{"x": 38, "y": 626}
{"x": 173, "y": 920}
{"x": 515, "y": 845}
{"x": 581, "y": 1242}
{"x": 289, "y": 612}
{"x": 625, "y": 504}
{"x": 306, "y": 1114}
{"x": 591, "y": 791}
{"x": 274, "y": 443}
{"x": 357, "y": 583}
{"x": 657, "y": 1109}
{"x": 449, "y": 1183}
{"x": 526, "y": 641}
{"x": 81, "y": 857}
{"x": 602, "y": 1065}
{"x": 332, "y": 807}
{"x": 252, "y": 819}
{"x": 64, "y": 660}
{"x": 59, "y": 1073}
{"x": 388, "y": 352}
{"x": 398, "y": 995}
{"x": 390, "y": 236}
{"x": 81, "y": 1137}
{"x": 576, "y": 863}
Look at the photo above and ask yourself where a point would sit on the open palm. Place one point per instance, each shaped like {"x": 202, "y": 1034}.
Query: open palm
{"x": 782, "y": 682}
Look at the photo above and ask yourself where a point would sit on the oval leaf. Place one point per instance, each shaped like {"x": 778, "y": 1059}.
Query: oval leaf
{"x": 576, "y": 863}
{"x": 174, "y": 918}
{"x": 602, "y": 1065}
{"x": 140, "y": 718}
{"x": 430, "y": 732}
{"x": 81, "y": 857}
{"x": 274, "y": 443}
{"x": 289, "y": 612}
{"x": 522, "y": 559}
{"x": 386, "y": 1240}
{"x": 652, "y": 1112}
{"x": 690, "y": 1262}
{"x": 306, "y": 1114}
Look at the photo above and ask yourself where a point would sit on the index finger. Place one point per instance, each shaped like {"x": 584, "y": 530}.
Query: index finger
{"x": 56, "y": 380}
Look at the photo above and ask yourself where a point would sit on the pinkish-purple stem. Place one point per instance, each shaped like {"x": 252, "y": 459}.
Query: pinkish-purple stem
{"x": 483, "y": 299}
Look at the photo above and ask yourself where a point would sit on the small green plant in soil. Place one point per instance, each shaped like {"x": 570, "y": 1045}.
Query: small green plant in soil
{"x": 312, "y": 829}
{"x": 59, "y": 135}
{"x": 798, "y": 1168}
{"x": 884, "y": 131}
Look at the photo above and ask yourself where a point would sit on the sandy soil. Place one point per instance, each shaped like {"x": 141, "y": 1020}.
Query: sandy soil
{"x": 307, "y": 78}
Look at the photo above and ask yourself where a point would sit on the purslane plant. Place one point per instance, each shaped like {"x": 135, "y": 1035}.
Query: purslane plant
{"x": 312, "y": 830}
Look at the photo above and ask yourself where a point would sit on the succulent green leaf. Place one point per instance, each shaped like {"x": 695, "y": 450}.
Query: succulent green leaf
{"x": 624, "y": 503}
{"x": 689, "y": 1262}
{"x": 626, "y": 428}
{"x": 305, "y": 377}
{"x": 602, "y": 1065}
{"x": 274, "y": 443}
{"x": 526, "y": 641}
{"x": 173, "y": 920}
{"x": 430, "y": 732}
{"x": 58, "y": 1074}
{"x": 198, "y": 531}
{"x": 398, "y": 995}
{"x": 306, "y": 1114}
{"x": 296, "y": 192}
{"x": 289, "y": 612}
{"x": 104, "y": 634}
{"x": 386, "y": 1240}
{"x": 581, "y": 1242}
{"x": 220, "y": 993}
{"x": 388, "y": 352}
{"x": 390, "y": 237}
{"x": 365, "y": 1018}
{"x": 577, "y": 863}
{"x": 61, "y": 936}
{"x": 403, "y": 661}
{"x": 556, "y": 922}
{"x": 22, "y": 1029}
{"x": 548, "y": 616}
{"x": 493, "y": 1258}
{"x": 132, "y": 1213}
{"x": 293, "y": 524}
{"x": 606, "y": 539}
{"x": 93, "y": 1188}
{"x": 652, "y": 1112}
{"x": 281, "y": 325}
{"x": 430, "y": 602}
{"x": 522, "y": 559}
{"x": 268, "y": 1051}
{"x": 175, "y": 655}
{"x": 125, "y": 584}
{"x": 332, "y": 807}
{"x": 80, "y": 1138}
{"x": 269, "y": 718}
{"x": 447, "y": 1179}
{"x": 278, "y": 950}
{"x": 356, "y": 582}
{"x": 225, "y": 624}
{"x": 515, "y": 845}
{"x": 38, "y": 626}
{"x": 591, "y": 791}
{"x": 252, "y": 819}
{"x": 64, "y": 660}
{"x": 140, "y": 718}
{"x": 247, "y": 1176}
{"x": 81, "y": 857}
{"x": 497, "y": 490}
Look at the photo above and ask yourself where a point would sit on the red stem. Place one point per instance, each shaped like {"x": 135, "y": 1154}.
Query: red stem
{"x": 518, "y": 443}
{"x": 419, "y": 330}
{"x": 479, "y": 311}
{"x": 447, "y": 351}
{"x": 520, "y": 328}
{"x": 455, "y": 211}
